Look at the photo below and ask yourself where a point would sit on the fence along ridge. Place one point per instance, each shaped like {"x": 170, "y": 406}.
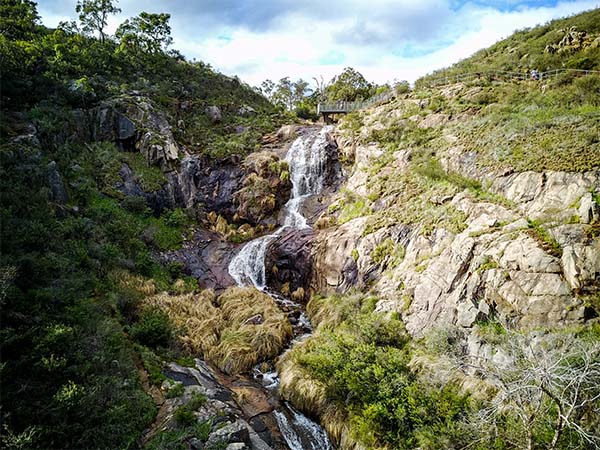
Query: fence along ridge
{"x": 345, "y": 106}
{"x": 502, "y": 73}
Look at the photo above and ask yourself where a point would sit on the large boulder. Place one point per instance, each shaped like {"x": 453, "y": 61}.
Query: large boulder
{"x": 206, "y": 257}
{"x": 214, "y": 114}
{"x": 134, "y": 124}
{"x": 265, "y": 188}
{"x": 288, "y": 261}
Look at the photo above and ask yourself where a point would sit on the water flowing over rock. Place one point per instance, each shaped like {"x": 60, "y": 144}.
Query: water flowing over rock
{"x": 248, "y": 267}
{"x": 308, "y": 164}
{"x": 312, "y": 162}
{"x": 290, "y": 421}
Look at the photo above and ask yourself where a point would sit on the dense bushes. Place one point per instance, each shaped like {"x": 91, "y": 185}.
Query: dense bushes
{"x": 361, "y": 358}
{"x": 68, "y": 373}
{"x": 69, "y": 377}
{"x": 152, "y": 329}
{"x": 359, "y": 368}
{"x": 70, "y": 241}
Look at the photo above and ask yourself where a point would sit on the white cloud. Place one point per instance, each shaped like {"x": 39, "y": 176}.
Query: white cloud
{"x": 315, "y": 38}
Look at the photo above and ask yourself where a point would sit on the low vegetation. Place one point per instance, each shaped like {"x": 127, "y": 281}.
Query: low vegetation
{"x": 77, "y": 256}
{"x": 370, "y": 383}
{"x": 234, "y": 330}
{"x": 571, "y": 42}
{"x": 360, "y": 363}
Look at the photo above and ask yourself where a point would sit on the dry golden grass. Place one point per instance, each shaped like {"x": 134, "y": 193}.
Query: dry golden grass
{"x": 300, "y": 389}
{"x": 124, "y": 279}
{"x": 220, "y": 327}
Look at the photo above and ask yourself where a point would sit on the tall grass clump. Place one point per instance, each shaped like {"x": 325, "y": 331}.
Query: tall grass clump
{"x": 235, "y": 330}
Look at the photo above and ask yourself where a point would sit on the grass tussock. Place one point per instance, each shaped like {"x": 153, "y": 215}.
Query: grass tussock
{"x": 235, "y": 330}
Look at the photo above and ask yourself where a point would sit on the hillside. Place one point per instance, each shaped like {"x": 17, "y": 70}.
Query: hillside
{"x": 572, "y": 42}
{"x": 460, "y": 261}
{"x": 445, "y": 246}
{"x": 93, "y": 135}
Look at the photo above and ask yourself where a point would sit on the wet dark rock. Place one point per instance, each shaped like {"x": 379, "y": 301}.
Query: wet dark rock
{"x": 198, "y": 183}
{"x": 217, "y": 185}
{"x": 258, "y": 425}
{"x": 206, "y": 257}
{"x": 288, "y": 260}
{"x": 333, "y": 176}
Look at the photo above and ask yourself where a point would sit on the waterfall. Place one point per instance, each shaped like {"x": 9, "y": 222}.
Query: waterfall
{"x": 307, "y": 159}
{"x": 247, "y": 268}
{"x": 301, "y": 433}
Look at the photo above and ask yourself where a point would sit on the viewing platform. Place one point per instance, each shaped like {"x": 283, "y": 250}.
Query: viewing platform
{"x": 328, "y": 110}
{"x": 331, "y": 108}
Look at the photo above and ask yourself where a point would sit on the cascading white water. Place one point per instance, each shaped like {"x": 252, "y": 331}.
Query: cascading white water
{"x": 306, "y": 159}
{"x": 247, "y": 268}
{"x": 318, "y": 437}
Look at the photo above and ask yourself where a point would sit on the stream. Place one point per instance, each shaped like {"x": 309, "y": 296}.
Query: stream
{"x": 306, "y": 158}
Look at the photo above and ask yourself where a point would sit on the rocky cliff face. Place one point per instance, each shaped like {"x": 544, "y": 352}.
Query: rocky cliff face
{"x": 527, "y": 253}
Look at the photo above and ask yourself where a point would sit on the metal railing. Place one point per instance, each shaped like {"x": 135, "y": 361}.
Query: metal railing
{"x": 346, "y": 107}
{"x": 502, "y": 76}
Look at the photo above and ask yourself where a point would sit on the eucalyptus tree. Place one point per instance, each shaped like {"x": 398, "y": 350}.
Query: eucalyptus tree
{"x": 93, "y": 15}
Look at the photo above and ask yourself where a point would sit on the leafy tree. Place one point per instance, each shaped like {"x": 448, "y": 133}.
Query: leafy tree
{"x": 283, "y": 93}
{"x": 93, "y": 15}
{"x": 349, "y": 86}
{"x": 18, "y": 19}
{"x": 148, "y": 32}
{"x": 267, "y": 87}
{"x": 286, "y": 93}
{"x": 401, "y": 87}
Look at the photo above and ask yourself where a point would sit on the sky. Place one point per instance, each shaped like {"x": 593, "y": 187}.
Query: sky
{"x": 385, "y": 40}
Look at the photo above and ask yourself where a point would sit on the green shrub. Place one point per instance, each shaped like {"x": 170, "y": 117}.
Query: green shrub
{"x": 388, "y": 252}
{"x": 153, "y": 365}
{"x": 176, "y": 390}
{"x": 136, "y": 205}
{"x": 544, "y": 238}
{"x": 176, "y": 218}
{"x": 363, "y": 364}
{"x": 153, "y": 329}
{"x": 202, "y": 430}
{"x": 184, "y": 416}
{"x": 402, "y": 87}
